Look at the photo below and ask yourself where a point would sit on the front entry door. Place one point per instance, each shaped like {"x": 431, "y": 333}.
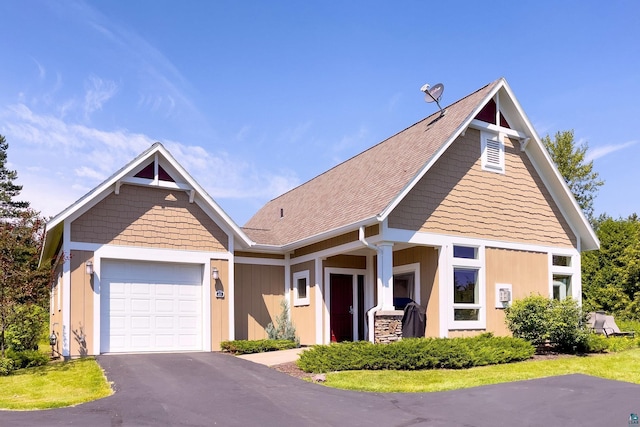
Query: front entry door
{"x": 341, "y": 307}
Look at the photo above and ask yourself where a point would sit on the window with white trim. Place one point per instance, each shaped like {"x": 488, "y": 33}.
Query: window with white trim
{"x": 301, "y": 288}
{"x": 561, "y": 275}
{"x": 492, "y": 152}
{"x": 467, "y": 288}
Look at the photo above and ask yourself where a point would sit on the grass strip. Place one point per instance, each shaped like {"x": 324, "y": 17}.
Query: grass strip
{"x": 622, "y": 366}
{"x": 53, "y": 386}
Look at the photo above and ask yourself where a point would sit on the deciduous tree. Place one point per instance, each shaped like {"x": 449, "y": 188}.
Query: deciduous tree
{"x": 579, "y": 175}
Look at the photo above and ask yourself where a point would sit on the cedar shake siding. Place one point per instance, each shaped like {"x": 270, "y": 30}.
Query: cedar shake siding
{"x": 457, "y": 197}
{"x": 149, "y": 217}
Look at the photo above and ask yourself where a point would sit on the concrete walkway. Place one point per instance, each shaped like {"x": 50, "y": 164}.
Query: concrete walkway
{"x": 271, "y": 358}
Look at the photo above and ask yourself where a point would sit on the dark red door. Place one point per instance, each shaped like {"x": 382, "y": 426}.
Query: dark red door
{"x": 341, "y": 307}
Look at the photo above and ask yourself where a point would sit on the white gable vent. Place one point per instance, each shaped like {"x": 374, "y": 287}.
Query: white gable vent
{"x": 492, "y": 153}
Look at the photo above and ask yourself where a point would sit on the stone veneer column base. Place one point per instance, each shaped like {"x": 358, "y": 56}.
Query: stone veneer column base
{"x": 388, "y": 326}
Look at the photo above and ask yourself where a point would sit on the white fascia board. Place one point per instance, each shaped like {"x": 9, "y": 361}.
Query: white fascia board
{"x": 480, "y": 125}
{"x": 443, "y": 148}
{"x": 290, "y": 247}
{"x": 575, "y": 215}
{"x": 438, "y": 240}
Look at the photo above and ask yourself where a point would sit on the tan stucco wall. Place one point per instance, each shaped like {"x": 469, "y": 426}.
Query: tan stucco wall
{"x": 219, "y": 306}
{"x": 457, "y": 197}
{"x": 304, "y": 317}
{"x": 428, "y": 259}
{"x": 81, "y": 305}
{"x": 259, "y": 289}
{"x": 527, "y": 272}
{"x": 149, "y": 217}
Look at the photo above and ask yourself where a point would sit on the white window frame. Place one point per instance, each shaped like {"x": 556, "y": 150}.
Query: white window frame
{"x": 566, "y": 271}
{"x": 297, "y": 301}
{"x": 411, "y": 268}
{"x": 477, "y": 264}
{"x": 499, "y": 139}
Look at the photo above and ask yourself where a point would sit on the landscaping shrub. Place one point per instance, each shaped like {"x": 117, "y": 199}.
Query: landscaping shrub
{"x": 596, "y": 343}
{"x": 6, "y": 366}
{"x": 528, "y": 318}
{"x": 541, "y": 320}
{"x": 25, "y": 327}
{"x": 256, "y": 346}
{"x": 283, "y": 328}
{"x": 415, "y": 353}
{"x": 27, "y": 358}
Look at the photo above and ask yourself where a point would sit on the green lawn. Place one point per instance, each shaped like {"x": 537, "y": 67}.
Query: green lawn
{"x": 623, "y": 366}
{"x": 55, "y": 385}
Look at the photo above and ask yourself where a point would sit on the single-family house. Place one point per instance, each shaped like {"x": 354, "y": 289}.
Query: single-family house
{"x": 461, "y": 212}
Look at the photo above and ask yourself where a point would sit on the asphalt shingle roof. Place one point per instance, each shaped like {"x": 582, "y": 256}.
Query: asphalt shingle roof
{"x": 363, "y": 186}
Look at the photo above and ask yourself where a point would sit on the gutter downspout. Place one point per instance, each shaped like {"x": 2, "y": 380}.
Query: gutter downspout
{"x": 371, "y": 313}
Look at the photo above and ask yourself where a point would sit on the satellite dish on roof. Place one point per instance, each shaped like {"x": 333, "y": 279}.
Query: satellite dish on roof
{"x": 433, "y": 94}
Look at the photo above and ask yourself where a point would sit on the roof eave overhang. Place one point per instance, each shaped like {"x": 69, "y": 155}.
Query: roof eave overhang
{"x": 290, "y": 247}
{"x": 110, "y": 185}
{"x": 573, "y": 213}
{"x": 459, "y": 130}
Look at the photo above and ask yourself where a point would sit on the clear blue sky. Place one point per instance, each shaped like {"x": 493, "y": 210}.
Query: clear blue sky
{"x": 254, "y": 98}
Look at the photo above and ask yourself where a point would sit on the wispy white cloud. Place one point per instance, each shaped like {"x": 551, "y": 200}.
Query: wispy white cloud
{"x": 42, "y": 72}
{"x": 96, "y": 154}
{"x": 295, "y": 134}
{"x": 393, "y": 102}
{"x": 599, "y": 152}
{"x": 98, "y": 91}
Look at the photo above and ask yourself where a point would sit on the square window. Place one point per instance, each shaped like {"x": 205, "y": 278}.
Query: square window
{"x": 301, "y": 288}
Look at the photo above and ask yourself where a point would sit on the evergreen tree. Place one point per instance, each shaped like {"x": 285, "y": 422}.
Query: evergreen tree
{"x": 579, "y": 175}
{"x": 9, "y": 207}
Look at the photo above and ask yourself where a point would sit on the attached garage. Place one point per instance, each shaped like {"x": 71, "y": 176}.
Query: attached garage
{"x": 150, "y": 306}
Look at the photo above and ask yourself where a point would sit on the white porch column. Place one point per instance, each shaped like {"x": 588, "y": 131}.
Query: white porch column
{"x": 385, "y": 275}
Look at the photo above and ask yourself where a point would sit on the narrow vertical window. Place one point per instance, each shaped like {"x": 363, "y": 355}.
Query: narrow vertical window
{"x": 301, "y": 288}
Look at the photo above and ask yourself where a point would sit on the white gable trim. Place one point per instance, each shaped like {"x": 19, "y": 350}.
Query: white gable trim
{"x": 540, "y": 158}
{"x": 159, "y": 154}
{"x": 394, "y": 203}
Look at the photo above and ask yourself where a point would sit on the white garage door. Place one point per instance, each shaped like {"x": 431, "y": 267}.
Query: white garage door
{"x": 150, "y": 306}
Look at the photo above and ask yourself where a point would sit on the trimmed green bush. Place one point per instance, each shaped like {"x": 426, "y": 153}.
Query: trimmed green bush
{"x": 25, "y": 327}
{"x": 27, "y": 358}
{"x": 541, "y": 320}
{"x": 6, "y": 366}
{"x": 256, "y": 346}
{"x": 415, "y": 353}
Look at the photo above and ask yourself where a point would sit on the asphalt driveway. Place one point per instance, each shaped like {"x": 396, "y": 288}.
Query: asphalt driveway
{"x": 209, "y": 389}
